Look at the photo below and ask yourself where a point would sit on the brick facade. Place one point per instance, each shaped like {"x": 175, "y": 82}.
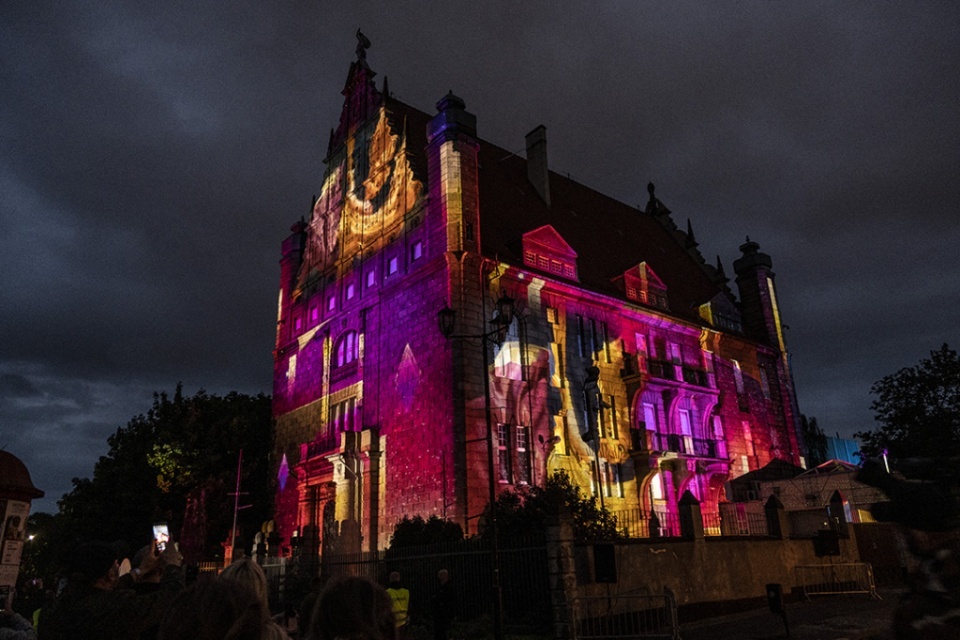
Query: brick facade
{"x": 630, "y": 365}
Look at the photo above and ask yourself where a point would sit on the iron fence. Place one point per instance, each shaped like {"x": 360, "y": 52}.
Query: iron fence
{"x": 523, "y": 579}
{"x": 836, "y": 578}
{"x": 626, "y": 616}
{"x": 732, "y": 519}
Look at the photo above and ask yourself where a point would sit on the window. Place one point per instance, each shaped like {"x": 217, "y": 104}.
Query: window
{"x": 685, "y": 429}
{"x": 346, "y": 349}
{"x": 656, "y": 487}
{"x": 614, "y": 432}
{"x": 314, "y": 313}
{"x": 342, "y": 416}
{"x": 764, "y": 383}
{"x": 641, "y": 350}
{"x": 468, "y": 231}
{"x": 416, "y": 251}
{"x": 745, "y": 463}
{"x": 748, "y": 439}
{"x": 523, "y": 455}
{"x": 503, "y": 452}
{"x": 351, "y": 291}
{"x": 530, "y": 258}
{"x": 605, "y": 338}
{"x": 606, "y": 473}
{"x": 392, "y": 266}
{"x": 331, "y": 303}
{"x": 297, "y": 323}
{"x": 582, "y": 336}
{"x": 738, "y": 377}
{"x": 675, "y": 353}
{"x": 371, "y": 278}
{"x": 618, "y": 480}
{"x": 650, "y": 416}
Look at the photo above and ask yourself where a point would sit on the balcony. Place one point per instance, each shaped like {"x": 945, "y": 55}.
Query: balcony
{"x": 661, "y": 369}
{"x": 323, "y": 445}
{"x": 695, "y": 376}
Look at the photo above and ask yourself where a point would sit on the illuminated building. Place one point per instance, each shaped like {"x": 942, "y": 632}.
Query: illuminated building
{"x": 630, "y": 364}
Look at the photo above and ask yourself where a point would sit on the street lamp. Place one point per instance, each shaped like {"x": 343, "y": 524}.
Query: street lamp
{"x": 446, "y": 320}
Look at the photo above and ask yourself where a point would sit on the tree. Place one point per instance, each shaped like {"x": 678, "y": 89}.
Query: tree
{"x": 525, "y": 511}
{"x": 815, "y": 439}
{"x": 415, "y": 531}
{"x": 178, "y": 463}
{"x": 918, "y": 408}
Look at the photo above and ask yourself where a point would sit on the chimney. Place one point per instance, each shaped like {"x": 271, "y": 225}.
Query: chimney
{"x": 538, "y": 172}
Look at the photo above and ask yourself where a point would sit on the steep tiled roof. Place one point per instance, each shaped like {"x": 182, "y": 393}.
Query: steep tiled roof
{"x": 608, "y": 236}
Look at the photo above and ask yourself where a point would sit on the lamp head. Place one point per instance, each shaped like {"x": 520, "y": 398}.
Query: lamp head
{"x": 446, "y": 318}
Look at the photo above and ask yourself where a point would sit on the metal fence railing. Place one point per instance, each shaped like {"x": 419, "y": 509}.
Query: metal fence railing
{"x": 732, "y": 519}
{"x": 837, "y": 578}
{"x": 523, "y": 578}
{"x": 626, "y": 616}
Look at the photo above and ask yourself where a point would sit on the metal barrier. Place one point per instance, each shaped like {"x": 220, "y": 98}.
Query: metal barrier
{"x": 832, "y": 579}
{"x": 626, "y": 616}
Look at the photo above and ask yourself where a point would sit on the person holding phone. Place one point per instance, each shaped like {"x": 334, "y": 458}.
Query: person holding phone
{"x": 92, "y": 604}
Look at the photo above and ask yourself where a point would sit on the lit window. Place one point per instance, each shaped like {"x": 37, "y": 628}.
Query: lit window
{"x": 503, "y": 452}
{"x": 764, "y": 383}
{"x": 523, "y": 455}
{"x": 748, "y": 439}
{"x": 650, "y": 416}
{"x": 331, "y": 303}
{"x": 543, "y": 262}
{"x": 314, "y": 313}
{"x": 530, "y": 258}
{"x": 556, "y": 266}
{"x": 346, "y": 349}
{"x": 745, "y": 463}
{"x": 297, "y": 324}
{"x": 738, "y": 377}
{"x": 351, "y": 291}
{"x": 342, "y": 416}
{"x": 371, "y": 278}
{"x": 618, "y": 480}
{"x": 568, "y": 271}
{"x": 632, "y": 293}
{"x": 392, "y": 266}
{"x": 416, "y": 251}
{"x": 656, "y": 487}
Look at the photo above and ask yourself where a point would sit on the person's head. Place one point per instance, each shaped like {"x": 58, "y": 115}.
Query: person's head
{"x": 214, "y": 610}
{"x": 394, "y": 577}
{"x": 352, "y": 608}
{"x": 94, "y": 564}
{"x": 250, "y": 573}
{"x": 443, "y": 575}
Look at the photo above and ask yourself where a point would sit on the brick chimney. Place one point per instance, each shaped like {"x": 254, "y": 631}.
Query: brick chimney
{"x": 538, "y": 171}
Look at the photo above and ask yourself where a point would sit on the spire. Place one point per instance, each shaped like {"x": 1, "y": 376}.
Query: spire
{"x": 691, "y": 242}
{"x": 361, "y": 98}
{"x": 386, "y": 91}
{"x": 721, "y": 275}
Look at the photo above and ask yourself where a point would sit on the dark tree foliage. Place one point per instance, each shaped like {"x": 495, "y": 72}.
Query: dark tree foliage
{"x": 815, "y": 439}
{"x": 525, "y": 512}
{"x": 918, "y": 409}
{"x": 178, "y": 463}
{"x": 415, "y": 532}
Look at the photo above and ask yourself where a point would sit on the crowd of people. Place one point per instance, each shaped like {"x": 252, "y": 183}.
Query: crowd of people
{"x": 147, "y": 598}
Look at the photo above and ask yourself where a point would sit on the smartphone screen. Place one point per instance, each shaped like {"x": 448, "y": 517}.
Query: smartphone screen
{"x": 162, "y": 535}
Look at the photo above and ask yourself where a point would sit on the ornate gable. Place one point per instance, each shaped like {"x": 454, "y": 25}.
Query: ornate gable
{"x": 642, "y": 284}
{"x": 546, "y": 250}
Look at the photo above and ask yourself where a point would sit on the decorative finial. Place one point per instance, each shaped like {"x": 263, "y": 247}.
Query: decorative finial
{"x": 691, "y": 240}
{"x": 363, "y": 43}
{"x": 650, "y": 189}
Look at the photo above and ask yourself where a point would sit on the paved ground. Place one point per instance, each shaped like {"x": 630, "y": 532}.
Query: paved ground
{"x": 824, "y": 618}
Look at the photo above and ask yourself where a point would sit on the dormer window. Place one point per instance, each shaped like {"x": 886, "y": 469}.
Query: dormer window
{"x": 546, "y": 250}
{"x": 642, "y": 285}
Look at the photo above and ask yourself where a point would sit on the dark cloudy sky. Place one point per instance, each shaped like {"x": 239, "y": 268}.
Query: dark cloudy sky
{"x": 154, "y": 155}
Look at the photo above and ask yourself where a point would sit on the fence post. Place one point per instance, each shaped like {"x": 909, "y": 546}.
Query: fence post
{"x": 561, "y": 572}
{"x": 778, "y": 524}
{"x": 691, "y": 520}
{"x": 838, "y": 517}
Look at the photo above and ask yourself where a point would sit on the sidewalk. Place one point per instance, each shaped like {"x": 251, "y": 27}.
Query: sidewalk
{"x": 853, "y": 617}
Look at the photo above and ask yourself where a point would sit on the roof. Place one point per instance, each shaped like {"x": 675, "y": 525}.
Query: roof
{"x": 15, "y": 482}
{"x": 831, "y": 467}
{"x": 608, "y": 236}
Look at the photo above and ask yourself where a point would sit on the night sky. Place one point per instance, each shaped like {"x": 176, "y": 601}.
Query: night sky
{"x": 154, "y": 155}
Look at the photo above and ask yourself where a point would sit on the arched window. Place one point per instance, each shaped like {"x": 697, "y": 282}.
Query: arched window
{"x": 346, "y": 350}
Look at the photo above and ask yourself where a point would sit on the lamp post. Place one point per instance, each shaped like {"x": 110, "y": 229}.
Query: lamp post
{"x": 446, "y": 318}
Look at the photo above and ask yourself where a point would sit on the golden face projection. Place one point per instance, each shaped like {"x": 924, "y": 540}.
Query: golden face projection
{"x": 368, "y": 187}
